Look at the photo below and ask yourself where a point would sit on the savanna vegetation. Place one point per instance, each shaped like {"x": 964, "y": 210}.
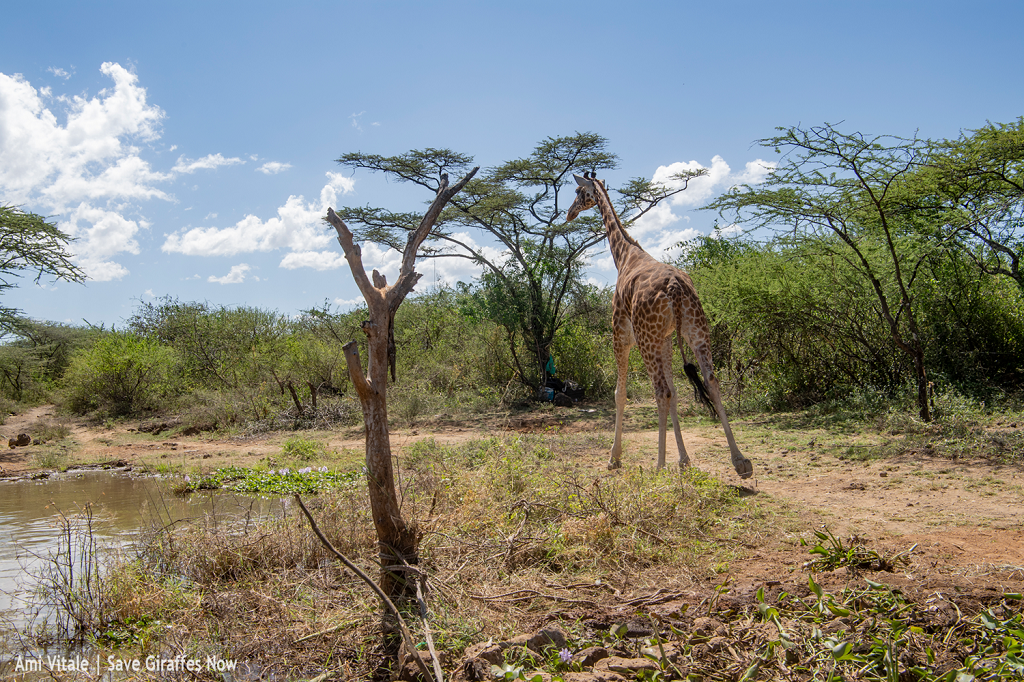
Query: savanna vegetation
{"x": 874, "y": 280}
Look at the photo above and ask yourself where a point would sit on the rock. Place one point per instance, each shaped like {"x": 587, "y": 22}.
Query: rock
{"x": 596, "y": 676}
{"x": 562, "y": 400}
{"x": 673, "y": 651}
{"x": 716, "y": 644}
{"x": 487, "y": 651}
{"x": 410, "y": 672}
{"x": 630, "y": 667}
{"x": 546, "y": 637}
{"x": 478, "y": 659}
{"x": 705, "y": 628}
{"x": 22, "y": 440}
{"x": 591, "y": 655}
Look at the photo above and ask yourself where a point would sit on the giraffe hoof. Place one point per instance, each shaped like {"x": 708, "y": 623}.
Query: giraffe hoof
{"x": 744, "y": 468}
{"x": 613, "y": 465}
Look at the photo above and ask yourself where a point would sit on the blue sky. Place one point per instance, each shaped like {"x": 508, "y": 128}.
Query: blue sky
{"x": 190, "y": 146}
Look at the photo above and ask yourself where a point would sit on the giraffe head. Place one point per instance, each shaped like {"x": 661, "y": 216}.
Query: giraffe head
{"x": 586, "y": 196}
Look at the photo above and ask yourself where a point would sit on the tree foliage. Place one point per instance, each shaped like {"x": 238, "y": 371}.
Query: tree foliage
{"x": 28, "y": 243}
{"x": 846, "y": 196}
{"x": 529, "y": 282}
{"x": 976, "y": 182}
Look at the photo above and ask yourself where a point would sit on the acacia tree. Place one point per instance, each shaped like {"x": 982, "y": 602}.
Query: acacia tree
{"x": 528, "y": 282}
{"x": 978, "y": 182}
{"x": 397, "y": 539}
{"x": 29, "y": 243}
{"x": 847, "y": 195}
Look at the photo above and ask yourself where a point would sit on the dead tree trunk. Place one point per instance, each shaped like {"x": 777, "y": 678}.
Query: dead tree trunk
{"x": 397, "y": 539}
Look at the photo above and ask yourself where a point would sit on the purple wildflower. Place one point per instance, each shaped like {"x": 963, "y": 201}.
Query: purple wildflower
{"x": 565, "y": 656}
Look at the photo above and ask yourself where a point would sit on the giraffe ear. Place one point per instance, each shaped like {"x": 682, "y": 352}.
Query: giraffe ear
{"x": 583, "y": 182}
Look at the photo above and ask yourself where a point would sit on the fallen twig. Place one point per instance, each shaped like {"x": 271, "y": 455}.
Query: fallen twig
{"x": 406, "y": 635}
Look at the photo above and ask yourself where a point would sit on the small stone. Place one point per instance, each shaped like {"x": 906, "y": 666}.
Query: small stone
{"x": 591, "y": 655}
{"x": 631, "y": 667}
{"x": 883, "y": 474}
{"x": 546, "y": 637}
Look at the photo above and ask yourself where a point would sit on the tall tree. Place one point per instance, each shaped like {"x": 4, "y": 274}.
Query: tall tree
{"x": 28, "y": 243}
{"x": 846, "y": 194}
{"x": 529, "y": 280}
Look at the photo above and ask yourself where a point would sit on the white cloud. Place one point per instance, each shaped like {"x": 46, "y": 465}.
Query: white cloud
{"x": 273, "y": 167}
{"x": 41, "y": 159}
{"x": 84, "y": 163}
{"x": 317, "y": 260}
{"x": 730, "y": 230}
{"x": 208, "y": 162}
{"x": 297, "y": 227}
{"x": 149, "y": 292}
{"x": 235, "y": 276}
{"x": 100, "y": 235}
{"x": 347, "y": 304}
{"x": 718, "y": 179}
{"x": 664, "y": 226}
{"x": 355, "y": 118}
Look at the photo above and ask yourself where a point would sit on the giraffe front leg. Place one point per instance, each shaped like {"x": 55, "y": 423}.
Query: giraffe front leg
{"x": 620, "y": 409}
{"x": 622, "y": 342}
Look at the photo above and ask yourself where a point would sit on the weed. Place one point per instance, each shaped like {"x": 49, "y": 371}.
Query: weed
{"x": 831, "y": 553}
{"x": 45, "y": 430}
{"x": 284, "y": 481}
{"x": 52, "y": 457}
{"x": 304, "y": 449}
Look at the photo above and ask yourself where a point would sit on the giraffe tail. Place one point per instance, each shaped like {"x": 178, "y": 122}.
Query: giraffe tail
{"x": 700, "y": 391}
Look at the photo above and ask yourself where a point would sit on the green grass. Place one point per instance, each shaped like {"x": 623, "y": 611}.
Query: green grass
{"x": 283, "y": 481}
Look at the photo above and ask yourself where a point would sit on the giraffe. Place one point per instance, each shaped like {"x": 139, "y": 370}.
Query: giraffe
{"x": 652, "y": 300}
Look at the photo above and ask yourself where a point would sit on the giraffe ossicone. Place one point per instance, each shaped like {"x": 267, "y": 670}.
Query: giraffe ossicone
{"x": 652, "y": 301}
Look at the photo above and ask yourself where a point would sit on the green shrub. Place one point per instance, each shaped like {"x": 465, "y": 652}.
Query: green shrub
{"x": 122, "y": 374}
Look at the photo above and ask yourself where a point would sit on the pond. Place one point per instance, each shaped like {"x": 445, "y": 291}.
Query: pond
{"x": 122, "y": 505}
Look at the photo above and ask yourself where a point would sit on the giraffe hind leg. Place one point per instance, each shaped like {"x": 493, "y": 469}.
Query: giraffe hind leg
{"x": 742, "y": 465}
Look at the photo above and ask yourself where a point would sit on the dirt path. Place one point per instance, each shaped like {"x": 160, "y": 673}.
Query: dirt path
{"x": 968, "y": 517}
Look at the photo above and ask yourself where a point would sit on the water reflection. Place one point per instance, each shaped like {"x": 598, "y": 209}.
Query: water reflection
{"x": 122, "y": 505}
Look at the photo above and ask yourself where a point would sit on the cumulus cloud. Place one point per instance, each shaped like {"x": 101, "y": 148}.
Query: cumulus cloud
{"x": 273, "y": 167}
{"x": 662, "y": 228}
{"x": 40, "y": 158}
{"x": 296, "y": 228}
{"x": 208, "y": 162}
{"x": 236, "y": 275}
{"x": 317, "y": 260}
{"x": 347, "y": 304}
{"x": 718, "y": 179}
{"x": 84, "y": 162}
{"x": 100, "y": 235}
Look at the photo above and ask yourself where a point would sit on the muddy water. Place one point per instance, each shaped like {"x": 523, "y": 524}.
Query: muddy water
{"x": 122, "y": 505}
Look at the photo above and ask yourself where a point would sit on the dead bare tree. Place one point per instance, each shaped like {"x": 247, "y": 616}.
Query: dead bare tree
{"x": 397, "y": 539}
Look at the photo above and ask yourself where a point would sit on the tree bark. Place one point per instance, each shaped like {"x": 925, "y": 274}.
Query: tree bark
{"x": 397, "y": 540}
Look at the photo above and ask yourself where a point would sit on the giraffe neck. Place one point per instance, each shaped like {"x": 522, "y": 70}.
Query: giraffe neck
{"x": 619, "y": 240}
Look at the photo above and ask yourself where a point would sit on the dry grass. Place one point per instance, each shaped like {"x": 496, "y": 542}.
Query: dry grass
{"x": 510, "y": 534}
